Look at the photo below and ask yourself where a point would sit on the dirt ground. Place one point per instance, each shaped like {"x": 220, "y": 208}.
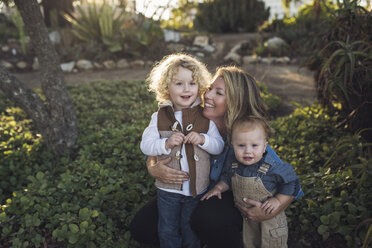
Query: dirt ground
{"x": 289, "y": 82}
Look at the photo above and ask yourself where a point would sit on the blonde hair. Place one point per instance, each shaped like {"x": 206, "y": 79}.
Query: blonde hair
{"x": 163, "y": 72}
{"x": 247, "y": 123}
{"x": 242, "y": 95}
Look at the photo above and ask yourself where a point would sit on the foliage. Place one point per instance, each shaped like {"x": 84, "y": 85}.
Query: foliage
{"x": 343, "y": 65}
{"x": 7, "y": 29}
{"x": 301, "y": 32}
{"x": 335, "y": 173}
{"x": 181, "y": 18}
{"x": 87, "y": 199}
{"x": 224, "y": 16}
{"x": 99, "y": 23}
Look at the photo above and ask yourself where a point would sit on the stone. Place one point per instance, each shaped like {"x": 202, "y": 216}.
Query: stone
{"x": 251, "y": 59}
{"x": 172, "y": 35}
{"x": 84, "y": 64}
{"x": 55, "y": 37}
{"x": 97, "y": 65}
{"x": 282, "y": 60}
{"x": 201, "y": 40}
{"x": 68, "y": 67}
{"x": 22, "y": 65}
{"x": 6, "y": 64}
{"x": 122, "y": 63}
{"x": 175, "y": 47}
{"x": 36, "y": 64}
{"x": 267, "y": 60}
{"x": 109, "y": 64}
{"x": 5, "y": 49}
{"x": 276, "y": 44}
{"x": 234, "y": 57}
{"x": 137, "y": 63}
{"x": 209, "y": 48}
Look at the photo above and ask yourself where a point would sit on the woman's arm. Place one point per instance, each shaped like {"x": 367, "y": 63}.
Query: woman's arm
{"x": 257, "y": 214}
{"x": 159, "y": 170}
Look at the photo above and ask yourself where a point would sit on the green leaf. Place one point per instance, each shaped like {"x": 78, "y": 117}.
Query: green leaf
{"x": 73, "y": 228}
{"x": 322, "y": 229}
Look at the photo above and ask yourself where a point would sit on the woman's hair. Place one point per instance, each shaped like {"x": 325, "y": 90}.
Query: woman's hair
{"x": 163, "y": 72}
{"x": 242, "y": 95}
{"x": 250, "y": 122}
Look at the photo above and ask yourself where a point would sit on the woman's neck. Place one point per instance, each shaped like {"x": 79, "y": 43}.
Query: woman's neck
{"x": 220, "y": 123}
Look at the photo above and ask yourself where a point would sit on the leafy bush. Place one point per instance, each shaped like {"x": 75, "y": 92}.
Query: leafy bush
{"x": 224, "y": 16}
{"x": 301, "y": 32}
{"x": 343, "y": 65}
{"x": 335, "y": 170}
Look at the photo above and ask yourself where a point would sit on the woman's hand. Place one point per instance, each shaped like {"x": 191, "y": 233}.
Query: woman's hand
{"x": 257, "y": 214}
{"x": 159, "y": 170}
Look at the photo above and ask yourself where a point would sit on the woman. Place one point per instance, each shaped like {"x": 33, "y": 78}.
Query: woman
{"x": 217, "y": 222}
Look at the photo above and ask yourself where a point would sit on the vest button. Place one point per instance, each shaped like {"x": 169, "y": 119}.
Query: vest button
{"x": 189, "y": 127}
{"x": 196, "y": 157}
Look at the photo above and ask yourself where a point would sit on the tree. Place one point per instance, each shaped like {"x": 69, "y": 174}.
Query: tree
{"x": 58, "y": 7}
{"x": 54, "y": 118}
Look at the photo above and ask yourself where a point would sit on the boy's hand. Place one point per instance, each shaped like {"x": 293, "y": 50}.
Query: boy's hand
{"x": 175, "y": 139}
{"x": 194, "y": 138}
{"x": 270, "y": 205}
{"x": 213, "y": 192}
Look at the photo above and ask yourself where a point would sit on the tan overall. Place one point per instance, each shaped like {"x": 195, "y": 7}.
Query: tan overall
{"x": 270, "y": 233}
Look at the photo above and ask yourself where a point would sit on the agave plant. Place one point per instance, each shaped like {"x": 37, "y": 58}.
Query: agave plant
{"x": 340, "y": 68}
{"x": 101, "y": 23}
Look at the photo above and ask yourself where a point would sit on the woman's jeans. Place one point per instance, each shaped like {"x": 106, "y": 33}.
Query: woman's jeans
{"x": 174, "y": 228}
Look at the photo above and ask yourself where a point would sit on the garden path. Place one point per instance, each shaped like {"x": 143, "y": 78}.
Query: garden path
{"x": 289, "y": 82}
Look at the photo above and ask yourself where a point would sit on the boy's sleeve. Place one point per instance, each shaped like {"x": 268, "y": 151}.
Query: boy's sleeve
{"x": 151, "y": 143}
{"x": 213, "y": 143}
{"x": 290, "y": 183}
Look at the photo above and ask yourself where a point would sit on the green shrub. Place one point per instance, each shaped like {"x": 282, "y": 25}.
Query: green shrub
{"x": 334, "y": 168}
{"x": 224, "y": 16}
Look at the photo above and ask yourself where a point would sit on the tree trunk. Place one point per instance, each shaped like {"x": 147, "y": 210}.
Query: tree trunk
{"x": 55, "y": 118}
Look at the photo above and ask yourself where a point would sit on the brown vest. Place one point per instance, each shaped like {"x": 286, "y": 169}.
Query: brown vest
{"x": 197, "y": 158}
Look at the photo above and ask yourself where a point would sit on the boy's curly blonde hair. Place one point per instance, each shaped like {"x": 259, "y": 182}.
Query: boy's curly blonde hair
{"x": 163, "y": 72}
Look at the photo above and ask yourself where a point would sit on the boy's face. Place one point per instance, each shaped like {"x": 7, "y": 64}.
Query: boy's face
{"x": 183, "y": 90}
{"x": 249, "y": 145}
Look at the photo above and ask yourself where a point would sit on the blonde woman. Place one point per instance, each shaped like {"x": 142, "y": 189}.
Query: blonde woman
{"x": 217, "y": 222}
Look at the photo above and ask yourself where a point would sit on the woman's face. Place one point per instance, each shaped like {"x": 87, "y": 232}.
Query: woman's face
{"x": 215, "y": 100}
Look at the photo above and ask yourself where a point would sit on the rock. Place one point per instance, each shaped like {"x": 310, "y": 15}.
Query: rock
{"x": 5, "y": 49}
{"x": 234, "y": 57}
{"x": 55, "y": 37}
{"x": 209, "y": 48}
{"x": 276, "y": 45}
{"x": 109, "y": 64}
{"x": 175, "y": 48}
{"x": 172, "y": 35}
{"x": 35, "y": 64}
{"x": 201, "y": 40}
{"x": 122, "y": 63}
{"x": 282, "y": 60}
{"x": 251, "y": 59}
{"x": 6, "y": 64}
{"x": 137, "y": 63}
{"x": 68, "y": 67}
{"x": 84, "y": 64}
{"x": 21, "y": 65}
{"x": 97, "y": 65}
{"x": 219, "y": 49}
{"x": 267, "y": 60}
{"x": 149, "y": 63}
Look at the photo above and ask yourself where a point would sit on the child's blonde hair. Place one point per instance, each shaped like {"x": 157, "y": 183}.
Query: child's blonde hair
{"x": 247, "y": 123}
{"x": 163, "y": 72}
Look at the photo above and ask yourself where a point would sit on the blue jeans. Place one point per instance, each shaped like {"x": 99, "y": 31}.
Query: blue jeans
{"x": 174, "y": 220}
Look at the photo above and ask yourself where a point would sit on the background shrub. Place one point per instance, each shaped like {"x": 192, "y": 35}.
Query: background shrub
{"x": 224, "y": 16}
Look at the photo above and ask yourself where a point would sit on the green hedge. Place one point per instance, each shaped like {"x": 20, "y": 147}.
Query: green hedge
{"x": 89, "y": 198}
